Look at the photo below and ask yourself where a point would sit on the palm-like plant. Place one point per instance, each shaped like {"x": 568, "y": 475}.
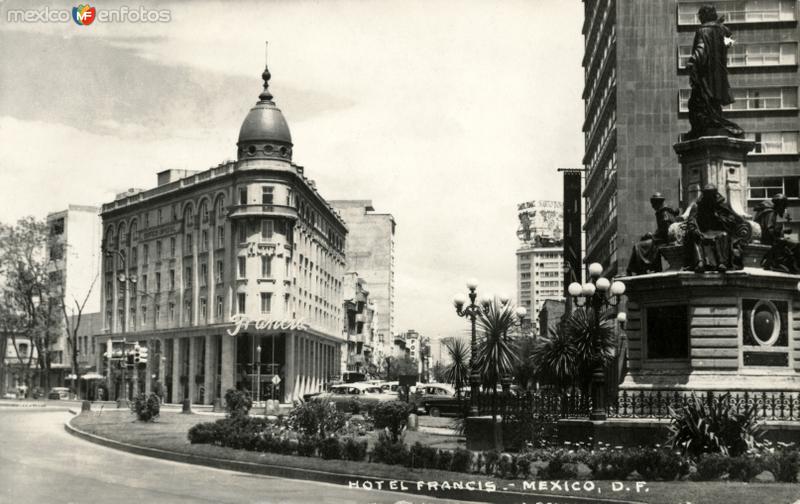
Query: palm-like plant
{"x": 555, "y": 359}
{"x": 497, "y": 353}
{"x": 457, "y": 372}
{"x": 594, "y": 339}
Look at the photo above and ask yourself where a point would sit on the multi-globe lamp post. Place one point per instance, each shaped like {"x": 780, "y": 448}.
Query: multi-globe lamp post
{"x": 597, "y": 293}
{"x": 472, "y": 311}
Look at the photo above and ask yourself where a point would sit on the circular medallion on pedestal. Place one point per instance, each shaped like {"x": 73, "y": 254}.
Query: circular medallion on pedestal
{"x": 765, "y": 323}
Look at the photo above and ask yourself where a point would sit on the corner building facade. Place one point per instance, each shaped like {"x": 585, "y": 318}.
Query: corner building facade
{"x": 229, "y": 276}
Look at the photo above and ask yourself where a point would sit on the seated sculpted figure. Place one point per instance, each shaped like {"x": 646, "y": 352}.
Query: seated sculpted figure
{"x": 715, "y": 233}
{"x": 784, "y": 254}
{"x": 645, "y": 257}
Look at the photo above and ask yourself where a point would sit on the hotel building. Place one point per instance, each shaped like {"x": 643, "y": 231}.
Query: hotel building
{"x": 636, "y": 92}
{"x": 232, "y": 276}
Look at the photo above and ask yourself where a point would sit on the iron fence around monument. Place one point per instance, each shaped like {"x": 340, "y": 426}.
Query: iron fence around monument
{"x": 779, "y": 405}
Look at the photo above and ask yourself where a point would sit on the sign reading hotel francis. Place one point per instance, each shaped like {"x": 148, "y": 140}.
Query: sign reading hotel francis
{"x": 243, "y": 323}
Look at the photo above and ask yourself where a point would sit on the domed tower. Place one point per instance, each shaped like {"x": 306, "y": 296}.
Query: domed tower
{"x": 264, "y": 133}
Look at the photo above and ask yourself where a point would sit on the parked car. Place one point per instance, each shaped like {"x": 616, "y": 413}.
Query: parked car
{"x": 436, "y": 399}
{"x": 390, "y": 387}
{"x": 58, "y": 393}
{"x": 343, "y": 395}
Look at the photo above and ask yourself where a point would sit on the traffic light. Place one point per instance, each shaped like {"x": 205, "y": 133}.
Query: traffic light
{"x": 129, "y": 358}
{"x": 142, "y": 355}
{"x": 137, "y": 355}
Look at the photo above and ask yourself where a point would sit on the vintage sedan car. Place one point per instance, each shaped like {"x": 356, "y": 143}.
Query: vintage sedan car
{"x": 58, "y": 393}
{"x": 345, "y": 394}
{"x": 436, "y": 399}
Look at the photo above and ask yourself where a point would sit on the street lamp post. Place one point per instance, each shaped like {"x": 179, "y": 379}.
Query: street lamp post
{"x": 595, "y": 294}
{"x": 472, "y": 311}
{"x": 258, "y": 373}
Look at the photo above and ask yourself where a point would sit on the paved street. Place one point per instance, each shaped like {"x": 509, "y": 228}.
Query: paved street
{"x": 41, "y": 463}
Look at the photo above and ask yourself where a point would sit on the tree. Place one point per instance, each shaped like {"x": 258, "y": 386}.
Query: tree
{"x": 29, "y": 291}
{"x": 72, "y": 324}
{"x": 524, "y": 369}
{"x": 403, "y": 366}
{"x": 438, "y": 371}
{"x": 497, "y": 354}
{"x": 457, "y": 372}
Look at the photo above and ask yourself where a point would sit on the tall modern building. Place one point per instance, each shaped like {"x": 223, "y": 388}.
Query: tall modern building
{"x": 540, "y": 263}
{"x": 370, "y": 253}
{"x": 636, "y": 91}
{"x": 232, "y": 276}
{"x": 73, "y": 253}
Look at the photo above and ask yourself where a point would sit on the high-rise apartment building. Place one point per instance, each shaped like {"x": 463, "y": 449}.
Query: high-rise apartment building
{"x": 540, "y": 264}
{"x": 636, "y": 92}
{"x": 370, "y": 253}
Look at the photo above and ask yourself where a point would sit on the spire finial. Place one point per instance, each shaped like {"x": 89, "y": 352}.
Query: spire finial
{"x": 265, "y": 94}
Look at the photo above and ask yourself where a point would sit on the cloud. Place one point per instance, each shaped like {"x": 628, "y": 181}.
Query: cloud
{"x": 446, "y": 114}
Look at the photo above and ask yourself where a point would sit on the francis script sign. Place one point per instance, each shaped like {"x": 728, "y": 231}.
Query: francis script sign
{"x": 243, "y": 323}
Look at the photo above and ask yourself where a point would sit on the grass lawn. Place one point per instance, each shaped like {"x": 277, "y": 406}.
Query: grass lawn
{"x": 169, "y": 433}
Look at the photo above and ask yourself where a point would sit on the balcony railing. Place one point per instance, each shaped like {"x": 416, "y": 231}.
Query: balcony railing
{"x": 263, "y": 210}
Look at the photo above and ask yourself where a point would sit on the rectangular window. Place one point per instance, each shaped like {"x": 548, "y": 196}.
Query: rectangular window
{"x": 288, "y": 267}
{"x": 187, "y": 312}
{"x": 267, "y": 229}
{"x": 158, "y": 250}
{"x": 241, "y": 267}
{"x": 220, "y": 236}
{"x": 158, "y": 282}
{"x": 266, "y": 266}
{"x": 187, "y": 244}
{"x": 134, "y": 255}
{"x": 240, "y": 302}
{"x": 187, "y": 279}
{"x": 749, "y": 99}
{"x": 158, "y": 216}
{"x": 219, "y": 307}
{"x": 764, "y": 187}
{"x": 667, "y": 332}
{"x": 145, "y": 254}
{"x": 204, "y": 240}
{"x": 157, "y": 313}
{"x": 267, "y": 195}
{"x": 172, "y": 312}
{"x": 779, "y": 142}
{"x": 218, "y": 272}
{"x": 172, "y": 279}
{"x": 741, "y": 11}
{"x": 266, "y": 302}
{"x": 752, "y": 54}
{"x": 144, "y": 315}
{"x": 242, "y": 195}
{"x": 242, "y": 227}
{"x": 289, "y": 196}
{"x": 203, "y": 308}
{"x": 172, "y": 246}
{"x": 203, "y": 274}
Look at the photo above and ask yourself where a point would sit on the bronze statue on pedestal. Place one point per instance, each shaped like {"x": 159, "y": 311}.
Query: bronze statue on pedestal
{"x": 715, "y": 233}
{"x": 708, "y": 76}
{"x": 645, "y": 257}
{"x": 784, "y": 254}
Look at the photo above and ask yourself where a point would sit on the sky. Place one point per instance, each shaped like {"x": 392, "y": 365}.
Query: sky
{"x": 445, "y": 114}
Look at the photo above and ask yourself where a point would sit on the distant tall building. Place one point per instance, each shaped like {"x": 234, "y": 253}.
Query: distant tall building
{"x": 540, "y": 265}
{"x": 370, "y": 253}
{"x": 573, "y": 218}
{"x": 636, "y": 94}
{"x": 73, "y": 253}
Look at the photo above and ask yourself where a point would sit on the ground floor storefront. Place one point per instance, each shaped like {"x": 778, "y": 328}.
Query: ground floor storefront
{"x": 201, "y": 364}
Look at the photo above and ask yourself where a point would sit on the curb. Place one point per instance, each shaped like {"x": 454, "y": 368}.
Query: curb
{"x": 345, "y": 480}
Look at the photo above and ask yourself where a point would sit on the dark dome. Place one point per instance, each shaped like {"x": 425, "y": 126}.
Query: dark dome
{"x": 265, "y": 122}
